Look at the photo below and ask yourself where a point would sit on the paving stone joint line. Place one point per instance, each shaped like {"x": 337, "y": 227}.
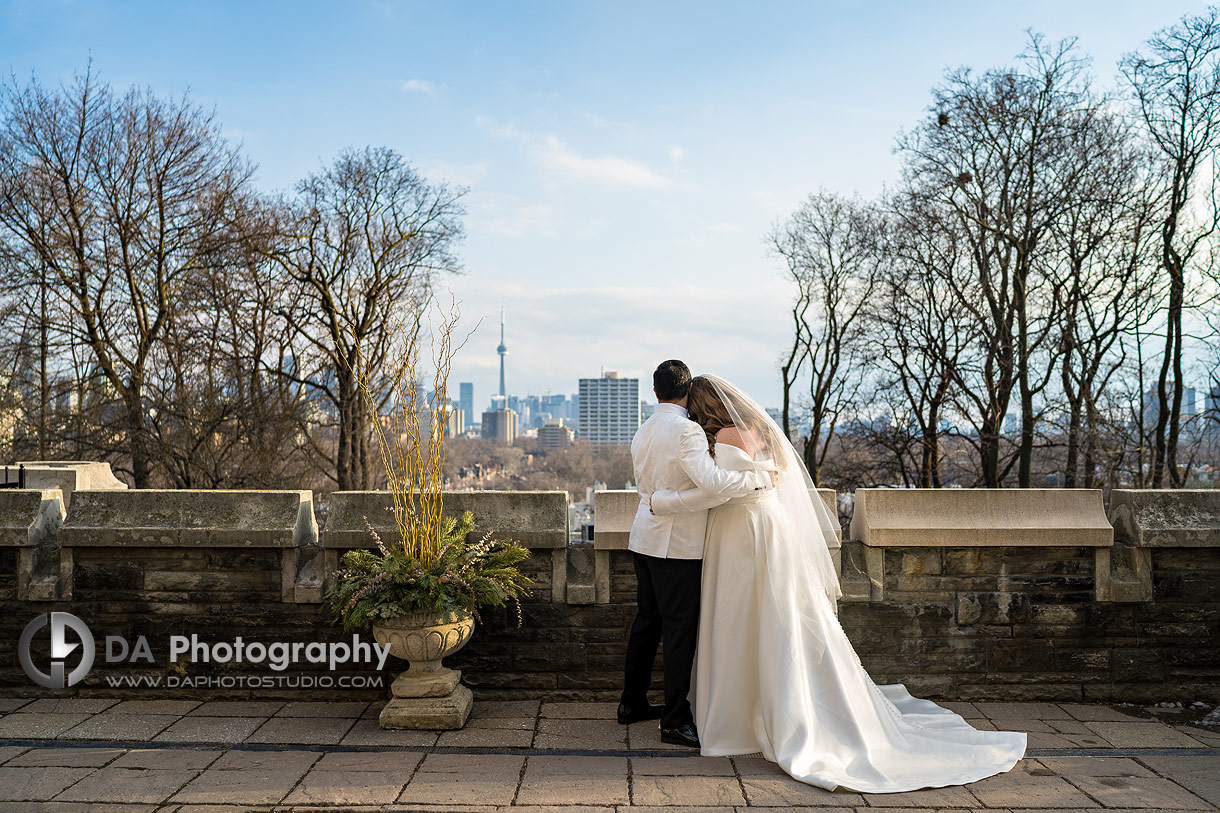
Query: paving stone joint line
{"x": 487, "y": 750}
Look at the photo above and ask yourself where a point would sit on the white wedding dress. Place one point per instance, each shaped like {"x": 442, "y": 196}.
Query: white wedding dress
{"x": 775, "y": 672}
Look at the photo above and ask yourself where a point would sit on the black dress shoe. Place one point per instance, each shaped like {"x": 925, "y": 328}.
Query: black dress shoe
{"x": 628, "y": 715}
{"x": 683, "y": 735}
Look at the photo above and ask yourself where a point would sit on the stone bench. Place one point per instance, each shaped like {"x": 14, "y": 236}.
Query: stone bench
{"x": 70, "y": 476}
{"x": 29, "y": 522}
{"x": 614, "y": 511}
{"x": 536, "y": 519}
{"x": 198, "y": 519}
{"x": 1147, "y": 519}
{"x": 975, "y": 518}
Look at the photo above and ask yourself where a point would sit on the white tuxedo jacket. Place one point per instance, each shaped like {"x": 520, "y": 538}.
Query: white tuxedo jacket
{"x": 670, "y": 452}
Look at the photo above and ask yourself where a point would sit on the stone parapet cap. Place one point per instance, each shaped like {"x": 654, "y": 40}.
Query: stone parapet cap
{"x": 536, "y": 519}
{"x": 978, "y": 517}
{"x": 1166, "y": 518}
{"x": 614, "y": 511}
{"x": 24, "y": 509}
{"x": 190, "y": 517}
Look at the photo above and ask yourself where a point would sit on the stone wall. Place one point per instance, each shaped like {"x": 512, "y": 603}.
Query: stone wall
{"x": 1064, "y": 608}
{"x": 1051, "y": 606}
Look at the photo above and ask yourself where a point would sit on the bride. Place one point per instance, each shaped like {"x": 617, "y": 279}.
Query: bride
{"x": 774, "y": 671}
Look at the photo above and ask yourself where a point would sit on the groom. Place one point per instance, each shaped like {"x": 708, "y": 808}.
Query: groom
{"x": 670, "y": 451}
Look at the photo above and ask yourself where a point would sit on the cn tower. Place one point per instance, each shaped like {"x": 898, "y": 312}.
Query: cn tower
{"x": 502, "y": 350}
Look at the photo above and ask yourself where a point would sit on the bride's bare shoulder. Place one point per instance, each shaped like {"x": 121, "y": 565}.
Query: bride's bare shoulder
{"x": 732, "y": 436}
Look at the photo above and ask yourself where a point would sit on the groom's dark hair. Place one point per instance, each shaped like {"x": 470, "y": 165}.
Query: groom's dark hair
{"x": 671, "y": 380}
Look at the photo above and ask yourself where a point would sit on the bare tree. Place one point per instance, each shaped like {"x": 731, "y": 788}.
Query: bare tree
{"x": 364, "y": 241}
{"x": 832, "y": 246}
{"x": 792, "y": 363}
{"x": 120, "y": 197}
{"x": 221, "y": 413}
{"x": 1102, "y": 246}
{"x": 995, "y": 156}
{"x": 1176, "y": 83}
{"x": 921, "y": 334}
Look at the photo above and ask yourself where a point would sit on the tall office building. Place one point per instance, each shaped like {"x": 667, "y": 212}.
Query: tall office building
{"x": 531, "y": 412}
{"x": 1152, "y": 403}
{"x": 466, "y": 398}
{"x": 557, "y": 406}
{"x": 609, "y": 408}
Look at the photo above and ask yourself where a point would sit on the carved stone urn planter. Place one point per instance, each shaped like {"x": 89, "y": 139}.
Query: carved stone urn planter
{"x": 428, "y": 695}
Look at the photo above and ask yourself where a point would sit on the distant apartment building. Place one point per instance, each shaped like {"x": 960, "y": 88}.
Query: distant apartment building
{"x": 466, "y": 398}
{"x": 501, "y": 426}
{"x": 609, "y": 409}
{"x": 455, "y": 422}
{"x": 554, "y": 435}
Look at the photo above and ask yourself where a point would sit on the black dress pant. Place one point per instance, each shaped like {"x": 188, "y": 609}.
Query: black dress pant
{"x": 667, "y": 593}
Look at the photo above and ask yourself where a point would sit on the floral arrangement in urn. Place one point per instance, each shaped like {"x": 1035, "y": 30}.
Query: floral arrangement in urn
{"x": 422, "y": 591}
{"x": 457, "y": 579}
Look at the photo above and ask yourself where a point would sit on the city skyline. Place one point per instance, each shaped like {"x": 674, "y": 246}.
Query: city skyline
{"x": 625, "y": 160}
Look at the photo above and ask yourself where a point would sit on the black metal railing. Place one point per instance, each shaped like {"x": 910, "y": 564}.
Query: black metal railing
{"x": 18, "y": 483}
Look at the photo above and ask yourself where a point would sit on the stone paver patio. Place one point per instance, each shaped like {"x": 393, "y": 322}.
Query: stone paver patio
{"x": 169, "y": 755}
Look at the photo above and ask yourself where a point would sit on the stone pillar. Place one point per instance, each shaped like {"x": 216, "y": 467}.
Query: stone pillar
{"x": 29, "y": 521}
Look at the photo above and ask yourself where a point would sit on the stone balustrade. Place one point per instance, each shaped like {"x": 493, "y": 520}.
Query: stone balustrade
{"x": 1144, "y": 520}
{"x": 980, "y": 517}
{"x": 896, "y": 518}
{"x": 187, "y": 539}
{"x": 1164, "y": 518}
{"x": 957, "y": 593}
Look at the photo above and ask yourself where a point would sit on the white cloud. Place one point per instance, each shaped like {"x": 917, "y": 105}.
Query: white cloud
{"x": 675, "y": 153}
{"x": 607, "y": 169}
{"x": 506, "y": 132}
{"x": 418, "y": 86}
{"x": 553, "y": 154}
{"x": 514, "y": 219}
{"x": 463, "y": 174}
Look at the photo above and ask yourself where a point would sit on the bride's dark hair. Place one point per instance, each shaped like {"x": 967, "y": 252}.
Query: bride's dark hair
{"x": 709, "y": 410}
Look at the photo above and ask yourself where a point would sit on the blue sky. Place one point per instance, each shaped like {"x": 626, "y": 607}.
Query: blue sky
{"x": 625, "y": 159}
